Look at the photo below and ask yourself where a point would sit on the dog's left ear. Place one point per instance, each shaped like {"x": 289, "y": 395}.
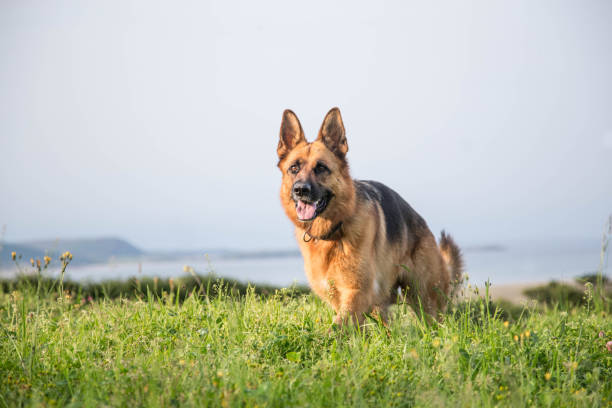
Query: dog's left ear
{"x": 332, "y": 133}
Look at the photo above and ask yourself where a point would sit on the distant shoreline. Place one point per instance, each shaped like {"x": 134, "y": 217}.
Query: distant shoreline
{"x": 92, "y": 251}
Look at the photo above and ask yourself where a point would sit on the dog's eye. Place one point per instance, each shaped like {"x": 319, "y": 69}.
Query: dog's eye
{"x": 320, "y": 168}
{"x": 295, "y": 169}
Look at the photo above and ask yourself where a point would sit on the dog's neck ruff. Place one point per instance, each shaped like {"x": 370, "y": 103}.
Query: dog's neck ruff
{"x": 324, "y": 237}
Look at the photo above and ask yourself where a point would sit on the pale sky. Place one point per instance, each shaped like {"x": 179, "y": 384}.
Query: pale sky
{"x": 158, "y": 122}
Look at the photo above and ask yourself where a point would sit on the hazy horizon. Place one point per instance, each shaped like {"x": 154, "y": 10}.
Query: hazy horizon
{"x": 158, "y": 123}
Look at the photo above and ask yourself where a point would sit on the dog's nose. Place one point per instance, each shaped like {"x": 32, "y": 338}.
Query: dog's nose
{"x": 301, "y": 188}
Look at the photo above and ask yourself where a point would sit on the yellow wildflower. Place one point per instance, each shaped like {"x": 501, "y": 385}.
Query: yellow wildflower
{"x": 13, "y": 255}
{"x": 436, "y": 343}
{"x": 516, "y": 338}
{"x": 66, "y": 256}
{"x": 547, "y": 376}
{"x": 32, "y": 261}
{"x": 527, "y": 333}
{"x": 506, "y": 324}
{"x": 47, "y": 260}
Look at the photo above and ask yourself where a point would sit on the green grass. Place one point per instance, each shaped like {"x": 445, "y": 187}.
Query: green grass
{"x": 232, "y": 348}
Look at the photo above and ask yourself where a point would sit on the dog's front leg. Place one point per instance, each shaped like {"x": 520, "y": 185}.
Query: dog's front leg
{"x": 354, "y": 304}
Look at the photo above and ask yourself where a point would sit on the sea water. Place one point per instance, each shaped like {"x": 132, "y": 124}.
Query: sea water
{"x": 519, "y": 263}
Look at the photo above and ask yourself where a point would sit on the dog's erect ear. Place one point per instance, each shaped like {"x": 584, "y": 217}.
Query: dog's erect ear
{"x": 291, "y": 134}
{"x": 332, "y": 133}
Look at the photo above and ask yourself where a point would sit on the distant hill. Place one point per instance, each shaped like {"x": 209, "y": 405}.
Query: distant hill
{"x": 84, "y": 250}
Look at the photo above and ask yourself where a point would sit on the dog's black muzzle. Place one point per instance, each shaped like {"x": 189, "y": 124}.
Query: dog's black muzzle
{"x": 310, "y": 199}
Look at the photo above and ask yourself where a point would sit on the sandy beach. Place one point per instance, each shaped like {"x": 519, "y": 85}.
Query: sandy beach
{"x": 513, "y": 292}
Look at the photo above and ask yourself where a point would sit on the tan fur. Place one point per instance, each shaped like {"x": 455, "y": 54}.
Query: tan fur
{"x": 358, "y": 270}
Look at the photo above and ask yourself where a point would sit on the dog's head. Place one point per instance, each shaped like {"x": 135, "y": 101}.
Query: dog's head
{"x": 316, "y": 187}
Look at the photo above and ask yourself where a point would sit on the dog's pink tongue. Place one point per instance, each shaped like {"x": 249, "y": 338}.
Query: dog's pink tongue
{"x": 305, "y": 211}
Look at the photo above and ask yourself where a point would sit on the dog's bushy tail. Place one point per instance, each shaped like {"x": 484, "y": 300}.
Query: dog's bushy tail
{"x": 454, "y": 261}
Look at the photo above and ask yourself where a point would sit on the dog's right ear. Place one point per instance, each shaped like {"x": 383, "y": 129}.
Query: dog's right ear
{"x": 291, "y": 134}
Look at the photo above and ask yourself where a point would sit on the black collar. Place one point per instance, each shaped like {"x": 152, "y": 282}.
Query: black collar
{"x": 324, "y": 237}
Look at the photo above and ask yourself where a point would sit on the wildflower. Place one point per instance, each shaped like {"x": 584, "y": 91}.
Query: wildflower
{"x": 38, "y": 263}
{"x": 66, "y": 256}
{"x": 547, "y": 376}
{"x": 601, "y": 333}
{"x": 516, "y": 338}
{"x": 609, "y": 346}
{"x": 436, "y": 343}
{"x": 414, "y": 354}
{"x": 588, "y": 291}
{"x": 32, "y": 261}
{"x": 13, "y": 255}
{"x": 47, "y": 259}
{"x": 506, "y": 324}
{"x": 527, "y": 333}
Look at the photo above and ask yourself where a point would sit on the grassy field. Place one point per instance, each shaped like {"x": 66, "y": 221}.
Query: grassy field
{"x": 242, "y": 348}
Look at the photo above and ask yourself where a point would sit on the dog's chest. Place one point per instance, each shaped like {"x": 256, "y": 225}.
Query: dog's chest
{"x": 327, "y": 267}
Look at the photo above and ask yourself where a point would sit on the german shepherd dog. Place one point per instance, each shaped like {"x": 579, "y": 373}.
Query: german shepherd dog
{"x": 360, "y": 240}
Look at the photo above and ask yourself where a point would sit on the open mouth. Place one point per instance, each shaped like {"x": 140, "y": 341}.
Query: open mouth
{"x": 309, "y": 211}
